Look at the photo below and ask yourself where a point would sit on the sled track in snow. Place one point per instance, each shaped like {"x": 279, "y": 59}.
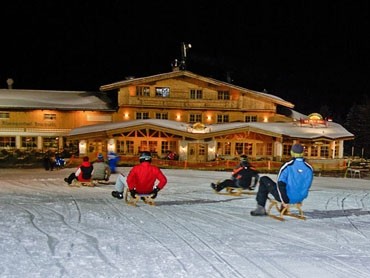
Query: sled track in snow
{"x": 335, "y": 263}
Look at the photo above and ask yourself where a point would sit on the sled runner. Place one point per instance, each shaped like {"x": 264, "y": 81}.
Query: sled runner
{"x": 285, "y": 210}
{"x": 103, "y": 182}
{"x": 235, "y": 191}
{"x": 146, "y": 198}
{"x": 76, "y": 183}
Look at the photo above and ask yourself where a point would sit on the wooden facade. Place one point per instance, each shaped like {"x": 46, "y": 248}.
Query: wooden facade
{"x": 199, "y": 118}
{"x": 209, "y": 112}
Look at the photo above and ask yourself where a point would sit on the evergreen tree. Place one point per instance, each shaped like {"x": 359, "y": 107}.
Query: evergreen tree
{"x": 358, "y": 123}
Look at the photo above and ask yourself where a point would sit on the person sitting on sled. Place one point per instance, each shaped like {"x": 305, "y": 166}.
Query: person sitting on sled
{"x": 240, "y": 178}
{"x": 102, "y": 170}
{"x": 144, "y": 178}
{"x": 119, "y": 186}
{"x": 83, "y": 173}
{"x": 293, "y": 182}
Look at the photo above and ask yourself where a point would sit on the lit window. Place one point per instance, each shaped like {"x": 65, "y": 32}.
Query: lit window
{"x": 162, "y": 92}
{"x": 7, "y": 142}
{"x": 29, "y": 142}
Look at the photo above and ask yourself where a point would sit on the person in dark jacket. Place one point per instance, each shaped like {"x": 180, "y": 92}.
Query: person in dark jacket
{"x": 49, "y": 162}
{"x": 241, "y": 177}
{"x": 144, "y": 178}
{"x": 293, "y": 182}
{"x": 83, "y": 173}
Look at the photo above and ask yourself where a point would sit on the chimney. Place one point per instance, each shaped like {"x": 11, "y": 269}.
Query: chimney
{"x": 175, "y": 65}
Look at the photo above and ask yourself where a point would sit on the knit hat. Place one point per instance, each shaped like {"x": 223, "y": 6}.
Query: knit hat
{"x": 145, "y": 156}
{"x": 297, "y": 150}
{"x": 100, "y": 156}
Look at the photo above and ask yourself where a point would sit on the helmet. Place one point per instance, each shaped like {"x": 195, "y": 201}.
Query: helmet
{"x": 245, "y": 163}
{"x": 145, "y": 156}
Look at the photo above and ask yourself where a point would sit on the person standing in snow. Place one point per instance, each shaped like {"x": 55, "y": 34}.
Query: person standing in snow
{"x": 112, "y": 161}
{"x": 144, "y": 178}
{"x": 293, "y": 182}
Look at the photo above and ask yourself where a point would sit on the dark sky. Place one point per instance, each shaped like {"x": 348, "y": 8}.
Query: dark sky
{"x": 312, "y": 53}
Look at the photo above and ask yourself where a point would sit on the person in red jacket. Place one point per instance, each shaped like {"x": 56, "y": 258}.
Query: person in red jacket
{"x": 83, "y": 173}
{"x": 144, "y": 178}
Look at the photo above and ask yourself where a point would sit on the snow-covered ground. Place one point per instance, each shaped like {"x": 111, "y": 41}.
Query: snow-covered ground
{"x": 48, "y": 229}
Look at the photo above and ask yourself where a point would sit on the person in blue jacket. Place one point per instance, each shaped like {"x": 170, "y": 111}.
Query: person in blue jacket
{"x": 112, "y": 161}
{"x": 293, "y": 182}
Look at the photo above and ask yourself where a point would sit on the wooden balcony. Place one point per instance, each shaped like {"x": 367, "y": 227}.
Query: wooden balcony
{"x": 183, "y": 103}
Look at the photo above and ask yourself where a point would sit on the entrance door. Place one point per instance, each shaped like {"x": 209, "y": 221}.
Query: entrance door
{"x": 197, "y": 152}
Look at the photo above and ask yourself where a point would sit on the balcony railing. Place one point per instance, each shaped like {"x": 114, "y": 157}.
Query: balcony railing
{"x": 183, "y": 104}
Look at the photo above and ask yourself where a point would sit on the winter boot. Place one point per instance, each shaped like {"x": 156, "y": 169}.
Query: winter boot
{"x": 118, "y": 195}
{"x": 252, "y": 187}
{"x": 215, "y": 187}
{"x": 259, "y": 211}
{"x": 67, "y": 181}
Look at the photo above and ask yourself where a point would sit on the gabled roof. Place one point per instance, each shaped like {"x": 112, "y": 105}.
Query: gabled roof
{"x": 13, "y": 99}
{"x": 188, "y": 74}
{"x": 332, "y": 131}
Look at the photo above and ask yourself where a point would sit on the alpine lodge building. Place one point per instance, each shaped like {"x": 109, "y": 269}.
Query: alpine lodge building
{"x": 203, "y": 120}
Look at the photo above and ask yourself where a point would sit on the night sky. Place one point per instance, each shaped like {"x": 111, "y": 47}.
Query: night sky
{"x": 311, "y": 53}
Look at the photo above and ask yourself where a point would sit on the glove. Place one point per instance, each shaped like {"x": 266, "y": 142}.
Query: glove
{"x": 133, "y": 193}
{"x": 155, "y": 192}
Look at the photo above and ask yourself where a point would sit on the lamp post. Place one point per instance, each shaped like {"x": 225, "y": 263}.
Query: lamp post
{"x": 184, "y": 48}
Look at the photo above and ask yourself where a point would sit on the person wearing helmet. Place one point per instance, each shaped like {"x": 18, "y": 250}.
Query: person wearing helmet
{"x": 241, "y": 177}
{"x": 293, "y": 182}
{"x": 144, "y": 178}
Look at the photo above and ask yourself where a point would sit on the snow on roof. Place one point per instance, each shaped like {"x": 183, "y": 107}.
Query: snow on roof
{"x": 111, "y": 126}
{"x": 332, "y": 130}
{"x": 59, "y": 100}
